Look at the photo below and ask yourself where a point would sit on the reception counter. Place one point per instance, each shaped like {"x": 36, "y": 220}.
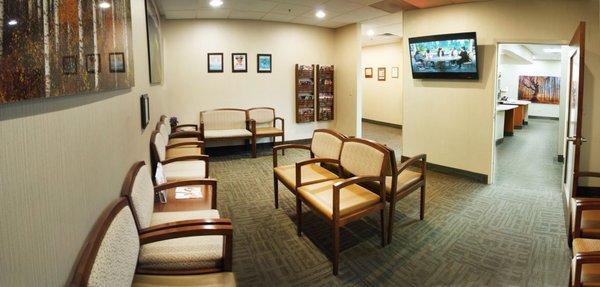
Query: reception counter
{"x": 505, "y": 121}
{"x": 521, "y": 112}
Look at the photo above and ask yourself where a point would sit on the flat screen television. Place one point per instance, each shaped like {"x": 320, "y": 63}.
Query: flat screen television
{"x": 448, "y": 56}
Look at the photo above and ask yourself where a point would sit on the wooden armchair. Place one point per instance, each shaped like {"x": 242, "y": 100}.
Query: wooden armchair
{"x": 179, "y": 128}
{"x": 266, "y": 123}
{"x": 324, "y": 144}
{"x": 585, "y": 213}
{"x": 341, "y": 201}
{"x": 585, "y": 265}
{"x": 400, "y": 182}
{"x": 203, "y": 253}
{"x": 176, "y": 167}
{"x": 114, "y": 253}
{"x": 182, "y": 143}
{"x": 228, "y": 124}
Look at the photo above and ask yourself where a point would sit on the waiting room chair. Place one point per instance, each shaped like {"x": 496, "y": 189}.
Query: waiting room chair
{"x": 585, "y": 214}
{"x": 228, "y": 124}
{"x": 341, "y": 201}
{"x": 180, "y": 143}
{"x": 114, "y": 253}
{"x": 324, "y": 144}
{"x": 179, "y": 128}
{"x": 585, "y": 265}
{"x": 266, "y": 123}
{"x": 176, "y": 167}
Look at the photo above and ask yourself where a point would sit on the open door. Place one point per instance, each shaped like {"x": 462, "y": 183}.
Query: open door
{"x": 574, "y": 136}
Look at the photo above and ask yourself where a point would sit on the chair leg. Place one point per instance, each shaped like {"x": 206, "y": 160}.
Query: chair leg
{"x": 283, "y": 142}
{"x": 299, "y": 215}
{"x": 336, "y": 248}
{"x": 391, "y": 221}
{"x": 276, "y": 191}
{"x": 422, "y": 212}
{"x": 254, "y": 147}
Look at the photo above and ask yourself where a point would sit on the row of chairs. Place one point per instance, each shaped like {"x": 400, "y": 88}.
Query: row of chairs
{"x": 132, "y": 244}
{"x": 346, "y": 179}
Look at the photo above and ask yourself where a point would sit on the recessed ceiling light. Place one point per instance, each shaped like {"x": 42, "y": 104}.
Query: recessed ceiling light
{"x": 104, "y": 5}
{"x": 552, "y": 50}
{"x": 216, "y": 3}
{"x": 320, "y": 14}
{"x": 13, "y": 22}
{"x": 370, "y": 32}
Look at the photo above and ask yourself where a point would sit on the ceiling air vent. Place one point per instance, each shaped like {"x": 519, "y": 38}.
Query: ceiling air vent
{"x": 388, "y": 35}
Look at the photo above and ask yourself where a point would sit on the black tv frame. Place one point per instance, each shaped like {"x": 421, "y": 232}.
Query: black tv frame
{"x": 445, "y": 75}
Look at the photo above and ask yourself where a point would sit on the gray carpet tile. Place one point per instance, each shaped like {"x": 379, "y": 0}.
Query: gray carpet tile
{"x": 507, "y": 234}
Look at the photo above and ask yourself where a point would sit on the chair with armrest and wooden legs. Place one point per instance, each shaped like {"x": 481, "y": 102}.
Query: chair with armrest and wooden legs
{"x": 325, "y": 143}
{"x": 178, "y": 127}
{"x": 585, "y": 213}
{"x": 266, "y": 123}
{"x": 181, "y": 143}
{"x": 180, "y": 167}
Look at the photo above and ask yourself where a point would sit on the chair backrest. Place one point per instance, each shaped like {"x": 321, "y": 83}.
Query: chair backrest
{"x": 158, "y": 146}
{"x": 224, "y": 119}
{"x": 362, "y": 157}
{"x": 110, "y": 254}
{"x": 164, "y": 128}
{"x": 263, "y": 116}
{"x": 139, "y": 189}
{"x": 327, "y": 143}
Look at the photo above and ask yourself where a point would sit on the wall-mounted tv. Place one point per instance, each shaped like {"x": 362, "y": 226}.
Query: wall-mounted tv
{"x": 448, "y": 56}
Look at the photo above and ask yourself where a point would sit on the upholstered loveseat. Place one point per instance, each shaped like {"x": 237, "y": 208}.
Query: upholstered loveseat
{"x": 228, "y": 124}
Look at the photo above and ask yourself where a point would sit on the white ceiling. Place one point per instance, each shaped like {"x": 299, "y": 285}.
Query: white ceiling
{"x": 538, "y": 53}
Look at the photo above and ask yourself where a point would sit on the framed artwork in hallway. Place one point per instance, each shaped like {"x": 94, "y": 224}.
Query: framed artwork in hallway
{"x": 368, "y": 73}
{"x": 540, "y": 89}
{"x": 381, "y": 74}
{"x": 239, "y": 62}
{"x": 215, "y": 62}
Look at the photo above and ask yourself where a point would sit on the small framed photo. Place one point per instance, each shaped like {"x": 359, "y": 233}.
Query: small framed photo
{"x": 381, "y": 74}
{"x": 239, "y": 62}
{"x": 116, "y": 61}
{"x": 145, "y": 110}
{"x": 215, "y": 62}
{"x": 91, "y": 60}
{"x": 395, "y": 72}
{"x": 368, "y": 72}
{"x": 263, "y": 63}
{"x": 69, "y": 64}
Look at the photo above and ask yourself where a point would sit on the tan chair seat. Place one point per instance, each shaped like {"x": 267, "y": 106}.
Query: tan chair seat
{"x": 223, "y": 279}
{"x": 590, "y": 221}
{"x": 263, "y": 131}
{"x": 165, "y": 217}
{"x": 352, "y": 198}
{"x": 405, "y": 179}
{"x": 233, "y": 133}
{"x": 182, "y": 254}
{"x": 590, "y": 274}
{"x": 182, "y": 151}
{"x": 182, "y": 140}
{"x": 310, "y": 172}
{"x": 182, "y": 170}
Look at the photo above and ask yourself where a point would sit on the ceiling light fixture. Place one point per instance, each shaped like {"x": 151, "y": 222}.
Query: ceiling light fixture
{"x": 12, "y": 22}
{"x": 370, "y": 32}
{"x": 552, "y": 50}
{"x": 216, "y": 3}
{"x": 320, "y": 14}
{"x": 104, "y": 5}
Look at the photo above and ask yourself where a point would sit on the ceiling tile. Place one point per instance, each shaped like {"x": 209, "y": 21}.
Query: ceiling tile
{"x": 336, "y": 7}
{"x": 301, "y": 2}
{"x": 212, "y": 13}
{"x": 360, "y": 15}
{"x": 306, "y": 20}
{"x": 188, "y": 14}
{"x": 333, "y": 24}
{"x": 205, "y": 4}
{"x": 248, "y": 15}
{"x": 179, "y": 5}
{"x": 277, "y": 17}
{"x": 428, "y": 3}
{"x": 253, "y": 5}
{"x": 291, "y": 9}
{"x": 365, "y": 2}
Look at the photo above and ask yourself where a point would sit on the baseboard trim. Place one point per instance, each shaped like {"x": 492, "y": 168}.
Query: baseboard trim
{"x": 544, "y": 118}
{"x": 560, "y": 158}
{"x": 478, "y": 177}
{"x": 382, "y": 123}
{"x": 499, "y": 141}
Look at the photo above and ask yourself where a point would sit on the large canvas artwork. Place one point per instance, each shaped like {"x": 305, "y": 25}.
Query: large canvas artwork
{"x": 51, "y": 48}
{"x": 155, "y": 55}
{"x": 540, "y": 89}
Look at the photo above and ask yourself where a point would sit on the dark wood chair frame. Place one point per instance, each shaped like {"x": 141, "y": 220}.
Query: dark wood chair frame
{"x": 250, "y": 126}
{"x": 283, "y": 147}
{"x": 581, "y": 204}
{"x": 275, "y": 119}
{"x": 155, "y": 159}
{"x": 87, "y": 256}
{"x": 592, "y": 257}
{"x": 338, "y": 221}
{"x": 176, "y": 128}
{"x": 180, "y": 134}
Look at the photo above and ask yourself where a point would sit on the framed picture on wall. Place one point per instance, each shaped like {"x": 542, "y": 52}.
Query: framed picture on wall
{"x": 116, "y": 62}
{"x": 368, "y": 72}
{"x": 69, "y": 64}
{"x": 215, "y": 62}
{"x": 395, "y": 72}
{"x": 381, "y": 74}
{"x": 145, "y": 110}
{"x": 239, "y": 62}
{"x": 263, "y": 63}
{"x": 92, "y": 63}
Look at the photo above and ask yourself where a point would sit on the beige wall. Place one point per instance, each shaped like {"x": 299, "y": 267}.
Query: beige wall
{"x": 192, "y": 89}
{"x": 63, "y": 161}
{"x": 348, "y": 86}
{"x": 382, "y": 100}
{"x": 452, "y": 120}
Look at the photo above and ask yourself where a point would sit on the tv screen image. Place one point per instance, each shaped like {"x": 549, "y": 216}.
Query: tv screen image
{"x": 449, "y": 56}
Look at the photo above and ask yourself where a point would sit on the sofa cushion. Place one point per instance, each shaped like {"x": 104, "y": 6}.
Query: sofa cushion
{"x": 182, "y": 170}
{"x": 221, "y": 279}
{"x": 182, "y": 254}
{"x": 262, "y": 116}
{"x": 182, "y": 151}
{"x": 326, "y": 145}
{"x": 262, "y": 131}
{"x": 223, "y": 119}
{"x": 230, "y": 133}
{"x": 182, "y": 140}
{"x": 166, "y": 217}
{"x": 310, "y": 172}
{"x": 352, "y": 198}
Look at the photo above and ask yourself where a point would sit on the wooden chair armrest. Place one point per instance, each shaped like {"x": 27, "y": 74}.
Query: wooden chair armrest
{"x": 282, "y": 122}
{"x": 196, "y": 143}
{"x": 580, "y": 259}
{"x": 186, "y": 231}
{"x": 354, "y": 180}
{"x": 251, "y": 126}
{"x": 284, "y": 147}
{"x": 587, "y": 203}
{"x": 187, "y": 157}
{"x": 174, "y": 184}
{"x": 310, "y": 161}
{"x": 418, "y": 158}
{"x": 184, "y": 223}
{"x": 588, "y": 174}
{"x": 175, "y": 128}
{"x": 184, "y": 134}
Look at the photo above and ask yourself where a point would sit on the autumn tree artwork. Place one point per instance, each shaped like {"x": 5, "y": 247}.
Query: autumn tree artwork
{"x": 540, "y": 89}
{"x": 51, "y": 48}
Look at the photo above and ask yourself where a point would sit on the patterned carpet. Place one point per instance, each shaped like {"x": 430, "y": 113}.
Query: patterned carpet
{"x": 507, "y": 234}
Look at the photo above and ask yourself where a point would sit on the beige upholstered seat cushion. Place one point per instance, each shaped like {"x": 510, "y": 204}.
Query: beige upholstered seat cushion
{"x": 183, "y": 151}
{"x": 221, "y": 279}
{"x": 352, "y": 198}
{"x": 310, "y": 172}
{"x": 267, "y": 131}
{"x": 232, "y": 133}
{"x": 405, "y": 179}
{"x": 182, "y": 170}
{"x": 179, "y": 254}
{"x": 166, "y": 217}
{"x": 223, "y": 120}
{"x": 182, "y": 140}
{"x": 325, "y": 145}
